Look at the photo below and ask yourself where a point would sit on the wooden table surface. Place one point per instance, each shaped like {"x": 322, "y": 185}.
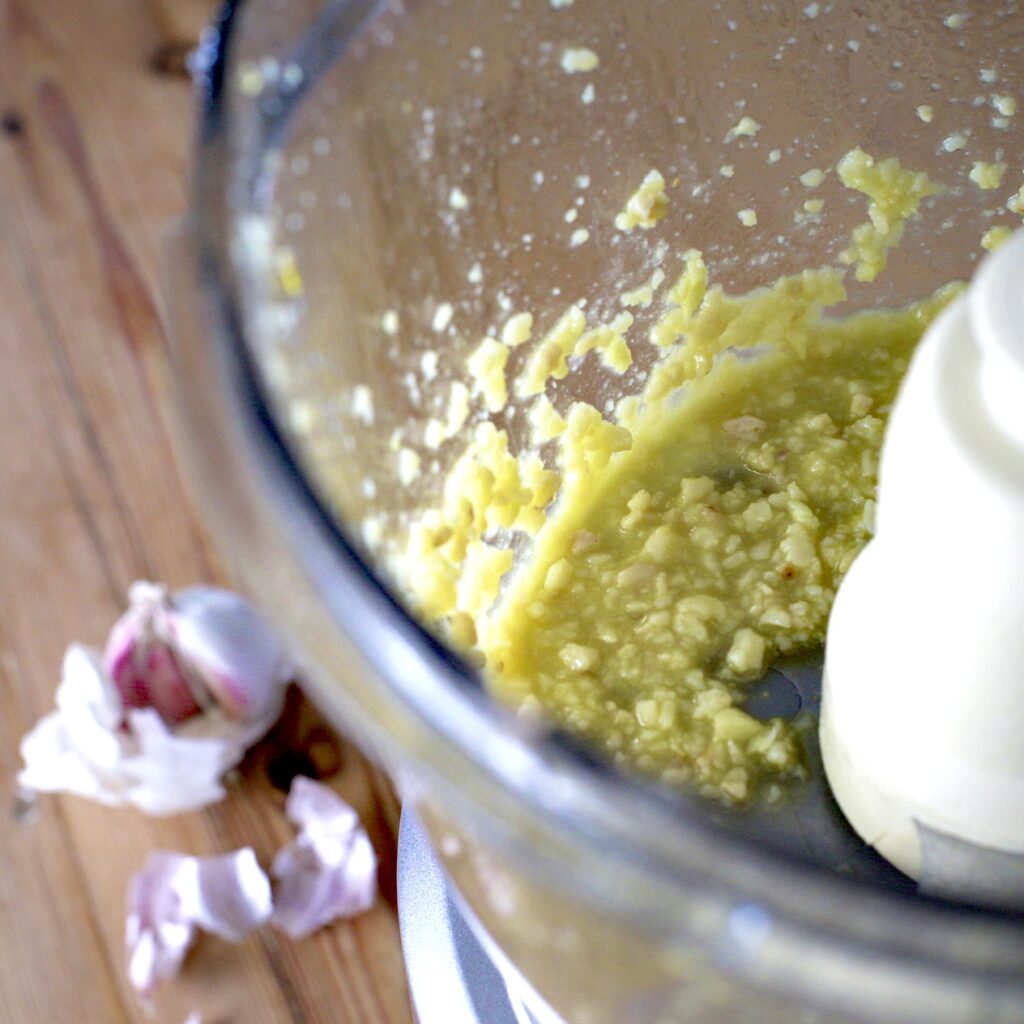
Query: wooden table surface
{"x": 95, "y": 128}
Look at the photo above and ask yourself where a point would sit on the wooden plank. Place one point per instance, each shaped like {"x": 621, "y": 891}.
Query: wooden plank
{"x": 96, "y": 125}
{"x": 45, "y": 911}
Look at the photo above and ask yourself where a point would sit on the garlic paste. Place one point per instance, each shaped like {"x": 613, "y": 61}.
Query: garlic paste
{"x": 682, "y": 544}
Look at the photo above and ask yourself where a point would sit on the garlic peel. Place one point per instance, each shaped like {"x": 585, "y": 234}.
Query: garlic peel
{"x": 330, "y": 870}
{"x": 93, "y": 747}
{"x": 174, "y": 896}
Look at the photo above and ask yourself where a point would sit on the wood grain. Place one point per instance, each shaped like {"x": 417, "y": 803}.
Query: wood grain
{"x": 95, "y": 124}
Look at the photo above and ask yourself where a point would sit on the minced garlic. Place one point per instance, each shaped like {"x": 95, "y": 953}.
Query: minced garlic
{"x": 682, "y": 538}
{"x": 812, "y": 178}
{"x": 549, "y": 359}
{"x": 646, "y": 206}
{"x": 486, "y": 367}
{"x": 987, "y": 176}
{"x": 677, "y": 551}
{"x": 578, "y": 59}
{"x": 654, "y": 589}
{"x": 746, "y": 126}
{"x": 644, "y": 294}
{"x": 610, "y": 342}
{"x": 1006, "y": 105}
{"x": 443, "y": 316}
{"x": 408, "y": 465}
{"x": 517, "y": 330}
{"x": 995, "y": 237}
{"x": 362, "y": 404}
{"x": 895, "y": 195}
{"x": 544, "y": 421}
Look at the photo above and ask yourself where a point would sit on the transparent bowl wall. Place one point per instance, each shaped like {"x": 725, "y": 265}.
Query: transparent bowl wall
{"x": 333, "y": 136}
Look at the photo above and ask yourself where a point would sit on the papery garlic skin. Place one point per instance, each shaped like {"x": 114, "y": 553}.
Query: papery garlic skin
{"x": 175, "y": 895}
{"x": 92, "y": 746}
{"x": 201, "y": 647}
{"x": 76, "y": 748}
{"x": 330, "y": 871}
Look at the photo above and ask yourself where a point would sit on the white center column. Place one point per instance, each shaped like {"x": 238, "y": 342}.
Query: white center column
{"x": 922, "y": 728}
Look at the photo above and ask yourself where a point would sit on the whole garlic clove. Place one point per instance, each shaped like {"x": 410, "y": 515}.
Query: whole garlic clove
{"x": 231, "y": 647}
{"x": 91, "y": 745}
{"x": 202, "y": 647}
{"x": 187, "y": 684}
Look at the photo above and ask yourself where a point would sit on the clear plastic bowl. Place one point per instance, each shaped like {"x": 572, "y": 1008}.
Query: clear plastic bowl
{"x": 333, "y": 138}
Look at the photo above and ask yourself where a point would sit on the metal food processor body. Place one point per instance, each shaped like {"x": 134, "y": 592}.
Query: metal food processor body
{"x": 613, "y": 902}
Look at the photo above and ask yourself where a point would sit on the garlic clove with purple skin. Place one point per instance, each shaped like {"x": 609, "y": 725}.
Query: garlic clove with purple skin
{"x": 187, "y": 684}
{"x": 233, "y": 649}
{"x": 92, "y": 746}
{"x": 142, "y": 664}
{"x": 202, "y": 647}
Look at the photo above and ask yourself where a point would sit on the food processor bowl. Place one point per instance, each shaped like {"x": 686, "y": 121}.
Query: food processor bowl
{"x": 378, "y": 186}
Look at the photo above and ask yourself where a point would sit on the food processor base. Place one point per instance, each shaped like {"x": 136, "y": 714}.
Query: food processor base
{"x": 453, "y": 978}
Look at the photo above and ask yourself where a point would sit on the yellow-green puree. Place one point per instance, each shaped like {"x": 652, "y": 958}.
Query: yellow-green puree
{"x": 715, "y": 543}
{"x": 682, "y": 545}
